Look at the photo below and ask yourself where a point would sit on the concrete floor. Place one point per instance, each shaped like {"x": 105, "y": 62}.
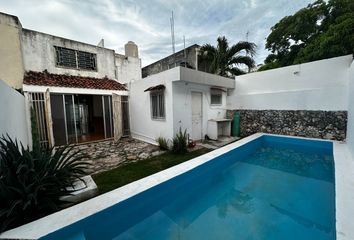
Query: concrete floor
{"x": 222, "y": 141}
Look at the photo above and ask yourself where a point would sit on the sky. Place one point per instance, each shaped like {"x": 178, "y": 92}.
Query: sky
{"x": 147, "y": 23}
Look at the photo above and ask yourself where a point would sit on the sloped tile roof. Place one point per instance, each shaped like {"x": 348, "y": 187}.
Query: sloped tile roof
{"x": 61, "y": 80}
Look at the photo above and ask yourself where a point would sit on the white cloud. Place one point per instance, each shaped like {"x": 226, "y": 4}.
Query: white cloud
{"x": 147, "y": 22}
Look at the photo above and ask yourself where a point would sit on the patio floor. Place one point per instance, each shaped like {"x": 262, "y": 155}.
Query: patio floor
{"x": 222, "y": 141}
{"x": 106, "y": 155}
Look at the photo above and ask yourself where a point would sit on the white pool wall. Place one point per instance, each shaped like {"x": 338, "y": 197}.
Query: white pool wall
{"x": 65, "y": 217}
{"x": 318, "y": 85}
{"x": 344, "y": 187}
{"x": 350, "y": 127}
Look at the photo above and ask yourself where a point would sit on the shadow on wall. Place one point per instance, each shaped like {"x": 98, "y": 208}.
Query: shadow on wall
{"x": 13, "y": 119}
{"x": 350, "y": 129}
{"x": 315, "y": 124}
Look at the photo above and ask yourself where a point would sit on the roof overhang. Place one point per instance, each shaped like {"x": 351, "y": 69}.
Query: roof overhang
{"x": 67, "y": 90}
{"x": 198, "y": 77}
{"x": 46, "y": 78}
{"x": 217, "y": 89}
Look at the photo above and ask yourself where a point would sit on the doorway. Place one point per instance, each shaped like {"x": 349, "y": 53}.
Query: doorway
{"x": 197, "y": 113}
{"x": 81, "y": 118}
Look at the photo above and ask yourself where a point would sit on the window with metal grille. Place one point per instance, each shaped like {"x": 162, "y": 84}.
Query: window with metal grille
{"x": 157, "y": 104}
{"x": 71, "y": 58}
{"x": 86, "y": 60}
{"x": 38, "y": 104}
{"x": 215, "y": 97}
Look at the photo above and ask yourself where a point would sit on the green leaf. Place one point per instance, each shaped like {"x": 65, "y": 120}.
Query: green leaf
{"x": 32, "y": 182}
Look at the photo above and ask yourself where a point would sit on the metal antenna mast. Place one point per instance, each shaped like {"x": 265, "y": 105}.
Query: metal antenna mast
{"x": 172, "y": 21}
{"x": 247, "y": 33}
{"x": 184, "y": 51}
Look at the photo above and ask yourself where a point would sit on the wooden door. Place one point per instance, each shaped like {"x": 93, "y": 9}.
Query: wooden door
{"x": 197, "y": 114}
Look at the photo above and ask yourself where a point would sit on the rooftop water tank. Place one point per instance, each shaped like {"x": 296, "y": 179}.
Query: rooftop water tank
{"x": 131, "y": 49}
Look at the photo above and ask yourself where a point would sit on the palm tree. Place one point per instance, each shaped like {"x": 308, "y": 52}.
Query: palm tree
{"x": 224, "y": 60}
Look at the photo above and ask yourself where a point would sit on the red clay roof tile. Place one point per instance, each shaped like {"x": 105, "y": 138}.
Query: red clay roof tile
{"x": 61, "y": 80}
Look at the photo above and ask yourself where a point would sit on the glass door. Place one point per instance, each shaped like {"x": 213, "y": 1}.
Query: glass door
{"x": 81, "y": 118}
{"x": 70, "y": 110}
{"x": 58, "y": 119}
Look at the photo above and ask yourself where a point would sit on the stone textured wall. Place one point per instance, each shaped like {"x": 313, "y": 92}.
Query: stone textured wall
{"x": 315, "y": 124}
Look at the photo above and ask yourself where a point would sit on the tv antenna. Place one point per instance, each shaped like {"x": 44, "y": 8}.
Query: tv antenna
{"x": 172, "y": 21}
{"x": 184, "y": 51}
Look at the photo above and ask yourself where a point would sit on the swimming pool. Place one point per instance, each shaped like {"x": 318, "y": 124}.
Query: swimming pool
{"x": 270, "y": 187}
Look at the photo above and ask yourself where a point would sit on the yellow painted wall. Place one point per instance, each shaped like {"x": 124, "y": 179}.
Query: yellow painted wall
{"x": 11, "y": 63}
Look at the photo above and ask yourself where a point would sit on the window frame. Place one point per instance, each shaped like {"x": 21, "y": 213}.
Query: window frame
{"x": 158, "y": 93}
{"x": 57, "y": 58}
{"x": 216, "y": 92}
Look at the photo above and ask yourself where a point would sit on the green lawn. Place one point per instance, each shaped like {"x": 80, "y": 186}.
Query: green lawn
{"x": 112, "y": 179}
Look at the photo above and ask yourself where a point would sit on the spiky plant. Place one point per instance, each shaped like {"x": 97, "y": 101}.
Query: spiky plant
{"x": 32, "y": 182}
{"x": 179, "y": 142}
{"x": 163, "y": 143}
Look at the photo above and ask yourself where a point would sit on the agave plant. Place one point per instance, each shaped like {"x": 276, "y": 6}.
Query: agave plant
{"x": 32, "y": 182}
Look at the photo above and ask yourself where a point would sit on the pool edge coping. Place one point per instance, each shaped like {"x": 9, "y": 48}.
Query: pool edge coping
{"x": 50, "y": 223}
{"x": 344, "y": 190}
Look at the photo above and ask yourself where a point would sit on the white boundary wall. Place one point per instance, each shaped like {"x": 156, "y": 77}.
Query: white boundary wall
{"x": 13, "y": 119}
{"x": 350, "y": 127}
{"x": 319, "y": 85}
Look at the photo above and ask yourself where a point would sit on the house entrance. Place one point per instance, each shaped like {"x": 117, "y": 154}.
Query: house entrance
{"x": 81, "y": 118}
{"x": 197, "y": 115}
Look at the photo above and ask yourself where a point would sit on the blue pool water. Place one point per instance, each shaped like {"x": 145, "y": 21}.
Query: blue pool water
{"x": 272, "y": 188}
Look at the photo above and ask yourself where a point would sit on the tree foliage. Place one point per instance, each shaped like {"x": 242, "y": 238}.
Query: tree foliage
{"x": 320, "y": 30}
{"x": 225, "y": 60}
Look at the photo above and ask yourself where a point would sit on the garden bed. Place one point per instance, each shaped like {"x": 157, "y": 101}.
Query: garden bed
{"x": 130, "y": 172}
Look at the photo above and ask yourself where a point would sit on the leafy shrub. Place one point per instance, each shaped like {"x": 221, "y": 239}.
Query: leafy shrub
{"x": 31, "y": 182}
{"x": 163, "y": 143}
{"x": 179, "y": 142}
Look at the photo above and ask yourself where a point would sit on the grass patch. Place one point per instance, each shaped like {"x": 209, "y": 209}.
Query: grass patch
{"x": 112, "y": 179}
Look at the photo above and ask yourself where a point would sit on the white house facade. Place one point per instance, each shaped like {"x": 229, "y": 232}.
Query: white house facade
{"x": 82, "y": 92}
{"x": 179, "y": 98}
{"x": 76, "y": 89}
